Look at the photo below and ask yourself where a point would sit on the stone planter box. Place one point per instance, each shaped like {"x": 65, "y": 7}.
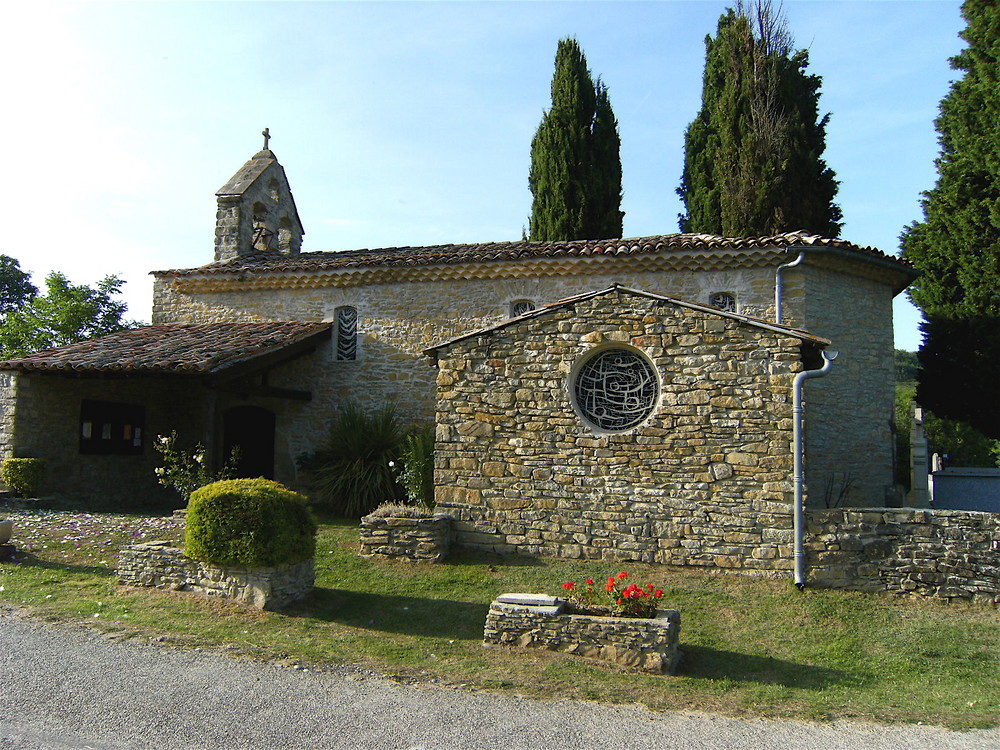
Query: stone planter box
{"x": 424, "y": 539}
{"x": 539, "y": 621}
{"x": 163, "y": 566}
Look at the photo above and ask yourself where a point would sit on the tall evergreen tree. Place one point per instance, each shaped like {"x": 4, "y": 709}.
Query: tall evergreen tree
{"x": 576, "y": 170}
{"x": 957, "y": 245}
{"x": 753, "y": 155}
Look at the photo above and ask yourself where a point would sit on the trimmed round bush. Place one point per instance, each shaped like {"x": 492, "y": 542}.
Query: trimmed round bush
{"x": 250, "y": 522}
{"x": 22, "y": 475}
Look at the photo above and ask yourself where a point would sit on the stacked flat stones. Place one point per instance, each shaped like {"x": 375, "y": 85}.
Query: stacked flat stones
{"x": 163, "y": 566}
{"x": 406, "y": 537}
{"x": 539, "y": 621}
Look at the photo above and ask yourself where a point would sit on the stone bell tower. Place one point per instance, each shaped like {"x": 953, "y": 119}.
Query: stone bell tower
{"x": 256, "y": 211}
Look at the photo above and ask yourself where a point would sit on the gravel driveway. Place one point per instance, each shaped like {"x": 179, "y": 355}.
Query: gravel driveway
{"x": 67, "y": 686}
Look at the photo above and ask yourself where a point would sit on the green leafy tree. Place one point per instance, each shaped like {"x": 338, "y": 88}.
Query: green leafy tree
{"x": 65, "y": 314}
{"x": 753, "y": 161}
{"x": 957, "y": 245}
{"x": 16, "y": 288}
{"x": 576, "y": 172}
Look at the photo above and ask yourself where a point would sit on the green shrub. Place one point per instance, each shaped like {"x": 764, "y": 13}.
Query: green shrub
{"x": 352, "y": 472}
{"x": 22, "y": 475}
{"x": 418, "y": 468}
{"x": 250, "y": 522}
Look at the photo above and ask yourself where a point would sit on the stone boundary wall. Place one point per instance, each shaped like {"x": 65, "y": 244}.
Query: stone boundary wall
{"x": 538, "y": 621}
{"x": 396, "y": 537}
{"x": 947, "y": 554}
{"x": 163, "y": 566}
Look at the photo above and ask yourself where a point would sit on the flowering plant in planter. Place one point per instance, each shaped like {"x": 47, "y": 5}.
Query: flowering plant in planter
{"x": 617, "y": 598}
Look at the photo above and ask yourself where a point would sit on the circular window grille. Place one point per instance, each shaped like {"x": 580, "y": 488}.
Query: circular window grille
{"x": 615, "y": 389}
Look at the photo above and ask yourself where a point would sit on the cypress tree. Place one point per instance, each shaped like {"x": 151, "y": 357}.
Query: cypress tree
{"x": 576, "y": 173}
{"x": 753, "y": 155}
{"x": 957, "y": 245}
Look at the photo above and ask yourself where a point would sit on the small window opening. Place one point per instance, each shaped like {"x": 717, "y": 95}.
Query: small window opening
{"x": 347, "y": 333}
{"x": 521, "y": 306}
{"x": 725, "y": 301}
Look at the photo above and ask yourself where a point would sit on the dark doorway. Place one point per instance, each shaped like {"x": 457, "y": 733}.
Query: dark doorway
{"x": 252, "y": 429}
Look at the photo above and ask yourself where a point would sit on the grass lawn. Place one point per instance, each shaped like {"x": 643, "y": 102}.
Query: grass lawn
{"x": 752, "y": 647}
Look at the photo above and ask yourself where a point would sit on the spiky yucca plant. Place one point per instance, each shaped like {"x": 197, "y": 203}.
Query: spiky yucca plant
{"x": 352, "y": 473}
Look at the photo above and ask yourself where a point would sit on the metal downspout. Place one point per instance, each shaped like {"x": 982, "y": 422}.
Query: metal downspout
{"x": 779, "y": 286}
{"x": 798, "y": 517}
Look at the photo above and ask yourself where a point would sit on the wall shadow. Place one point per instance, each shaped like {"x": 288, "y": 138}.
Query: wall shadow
{"x": 701, "y": 662}
{"x": 467, "y": 556}
{"x": 407, "y": 615}
{"x": 29, "y": 560}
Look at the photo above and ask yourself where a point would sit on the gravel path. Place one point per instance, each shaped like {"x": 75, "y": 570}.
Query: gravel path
{"x": 70, "y": 687}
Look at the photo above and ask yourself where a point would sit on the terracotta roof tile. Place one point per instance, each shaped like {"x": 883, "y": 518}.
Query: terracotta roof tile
{"x": 170, "y": 349}
{"x": 270, "y": 262}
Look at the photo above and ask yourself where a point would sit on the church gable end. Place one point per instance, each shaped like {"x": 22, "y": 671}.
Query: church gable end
{"x": 684, "y": 457}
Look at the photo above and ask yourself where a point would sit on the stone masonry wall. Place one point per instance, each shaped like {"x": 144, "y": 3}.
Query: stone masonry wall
{"x": 947, "y": 554}
{"x": 705, "y": 481}
{"x": 8, "y": 404}
{"x": 848, "y": 437}
{"x": 160, "y": 565}
{"x": 537, "y": 621}
{"x": 235, "y": 215}
{"x": 398, "y": 320}
{"x": 406, "y": 538}
{"x": 41, "y": 419}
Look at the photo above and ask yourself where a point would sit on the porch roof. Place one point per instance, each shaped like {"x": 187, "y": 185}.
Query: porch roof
{"x": 197, "y": 350}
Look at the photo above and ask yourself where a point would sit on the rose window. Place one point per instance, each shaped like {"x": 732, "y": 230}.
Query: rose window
{"x": 615, "y": 389}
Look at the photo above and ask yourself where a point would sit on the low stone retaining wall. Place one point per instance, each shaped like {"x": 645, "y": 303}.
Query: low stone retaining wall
{"x": 539, "y": 621}
{"x": 947, "y": 554}
{"x": 406, "y": 538}
{"x": 163, "y": 566}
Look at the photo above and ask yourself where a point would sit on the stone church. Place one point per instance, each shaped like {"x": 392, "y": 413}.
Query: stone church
{"x": 648, "y": 371}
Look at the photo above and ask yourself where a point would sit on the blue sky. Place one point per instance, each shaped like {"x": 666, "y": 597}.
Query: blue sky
{"x": 409, "y": 123}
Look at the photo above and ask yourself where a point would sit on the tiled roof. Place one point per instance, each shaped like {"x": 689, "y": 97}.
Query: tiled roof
{"x": 202, "y": 349}
{"x": 274, "y": 262}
